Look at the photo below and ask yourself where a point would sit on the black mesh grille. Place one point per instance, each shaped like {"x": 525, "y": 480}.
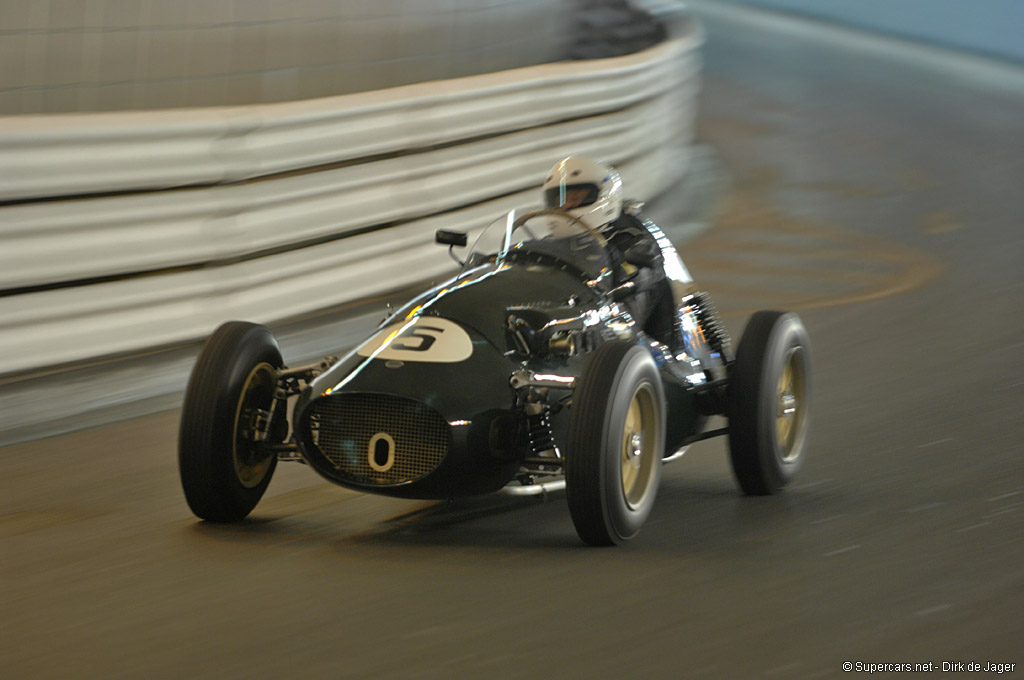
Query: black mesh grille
{"x": 378, "y": 439}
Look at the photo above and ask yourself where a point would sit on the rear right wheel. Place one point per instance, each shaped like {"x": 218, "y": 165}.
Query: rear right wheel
{"x": 769, "y": 402}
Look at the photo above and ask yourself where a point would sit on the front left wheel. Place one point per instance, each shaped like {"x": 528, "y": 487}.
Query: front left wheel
{"x": 224, "y": 469}
{"x": 615, "y": 444}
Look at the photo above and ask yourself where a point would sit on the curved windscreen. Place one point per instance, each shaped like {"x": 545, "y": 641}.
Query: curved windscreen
{"x": 542, "y": 236}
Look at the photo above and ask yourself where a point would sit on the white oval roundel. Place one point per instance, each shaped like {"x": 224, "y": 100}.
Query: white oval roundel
{"x": 421, "y": 338}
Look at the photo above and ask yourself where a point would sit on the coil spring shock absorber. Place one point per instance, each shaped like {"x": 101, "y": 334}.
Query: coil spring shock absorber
{"x": 714, "y": 331}
{"x": 539, "y": 435}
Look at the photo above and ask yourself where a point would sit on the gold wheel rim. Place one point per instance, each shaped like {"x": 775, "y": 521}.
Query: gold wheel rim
{"x": 250, "y": 471}
{"x": 636, "y": 452}
{"x": 790, "y": 394}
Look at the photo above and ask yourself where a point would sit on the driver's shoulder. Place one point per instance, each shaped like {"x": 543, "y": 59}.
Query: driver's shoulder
{"x": 631, "y": 222}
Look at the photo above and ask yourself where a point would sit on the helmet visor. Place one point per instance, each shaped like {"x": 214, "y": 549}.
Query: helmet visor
{"x": 569, "y": 196}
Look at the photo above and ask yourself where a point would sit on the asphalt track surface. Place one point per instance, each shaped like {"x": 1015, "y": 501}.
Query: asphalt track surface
{"x": 875, "y": 192}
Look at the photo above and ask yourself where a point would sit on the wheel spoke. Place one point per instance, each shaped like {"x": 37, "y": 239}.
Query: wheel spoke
{"x": 785, "y": 385}
{"x": 787, "y": 405}
{"x": 250, "y": 466}
{"x": 637, "y": 455}
{"x": 633, "y": 416}
{"x": 632, "y": 440}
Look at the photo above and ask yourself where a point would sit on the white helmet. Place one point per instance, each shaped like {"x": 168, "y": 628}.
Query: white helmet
{"x": 585, "y": 189}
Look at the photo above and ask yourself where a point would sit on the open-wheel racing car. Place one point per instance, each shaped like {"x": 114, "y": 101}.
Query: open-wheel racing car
{"x": 526, "y": 372}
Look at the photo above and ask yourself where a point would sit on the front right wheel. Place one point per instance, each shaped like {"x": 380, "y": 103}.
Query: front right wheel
{"x": 769, "y": 402}
{"x": 616, "y": 442}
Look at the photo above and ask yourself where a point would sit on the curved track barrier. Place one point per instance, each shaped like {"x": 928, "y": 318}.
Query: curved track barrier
{"x": 123, "y": 232}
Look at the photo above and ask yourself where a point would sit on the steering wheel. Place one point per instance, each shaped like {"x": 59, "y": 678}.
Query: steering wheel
{"x": 519, "y": 221}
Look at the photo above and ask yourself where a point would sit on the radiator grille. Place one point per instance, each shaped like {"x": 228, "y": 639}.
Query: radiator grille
{"x": 378, "y": 439}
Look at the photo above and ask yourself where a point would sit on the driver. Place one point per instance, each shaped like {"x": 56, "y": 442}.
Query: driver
{"x": 592, "y": 192}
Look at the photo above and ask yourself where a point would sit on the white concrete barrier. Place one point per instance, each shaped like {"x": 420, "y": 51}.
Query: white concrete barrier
{"x": 122, "y": 232}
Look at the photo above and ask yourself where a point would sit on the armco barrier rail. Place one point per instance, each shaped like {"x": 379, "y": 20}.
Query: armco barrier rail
{"x": 122, "y": 232}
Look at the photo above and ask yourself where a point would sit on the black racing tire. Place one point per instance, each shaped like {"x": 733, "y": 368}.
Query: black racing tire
{"x": 769, "y": 399}
{"x": 223, "y": 474}
{"x": 615, "y": 443}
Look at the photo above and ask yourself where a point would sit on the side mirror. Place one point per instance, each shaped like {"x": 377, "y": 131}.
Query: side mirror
{"x": 450, "y": 237}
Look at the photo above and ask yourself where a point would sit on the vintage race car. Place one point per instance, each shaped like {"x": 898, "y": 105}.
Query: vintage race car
{"x": 526, "y": 373}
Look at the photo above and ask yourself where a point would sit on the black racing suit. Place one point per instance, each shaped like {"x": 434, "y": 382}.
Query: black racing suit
{"x": 636, "y": 257}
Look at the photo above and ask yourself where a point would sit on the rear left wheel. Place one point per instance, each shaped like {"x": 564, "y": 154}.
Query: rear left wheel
{"x": 224, "y": 470}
